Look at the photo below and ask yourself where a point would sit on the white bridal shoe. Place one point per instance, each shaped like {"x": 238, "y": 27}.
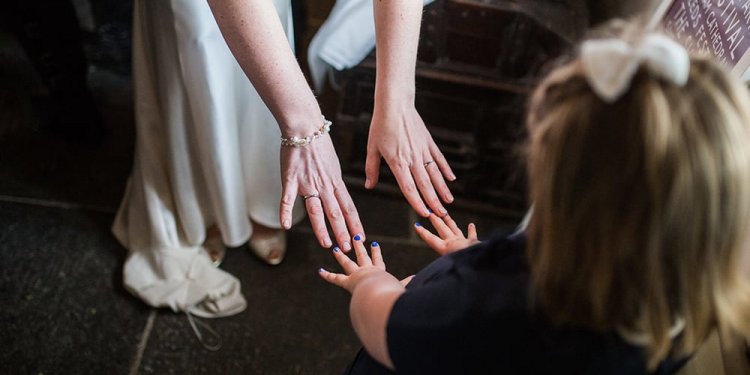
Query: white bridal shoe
{"x": 269, "y": 247}
{"x": 214, "y": 246}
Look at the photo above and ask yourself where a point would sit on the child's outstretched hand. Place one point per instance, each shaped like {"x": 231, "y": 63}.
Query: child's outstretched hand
{"x": 449, "y": 238}
{"x": 355, "y": 272}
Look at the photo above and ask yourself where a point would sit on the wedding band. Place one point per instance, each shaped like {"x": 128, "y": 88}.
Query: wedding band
{"x": 305, "y": 197}
{"x": 428, "y": 163}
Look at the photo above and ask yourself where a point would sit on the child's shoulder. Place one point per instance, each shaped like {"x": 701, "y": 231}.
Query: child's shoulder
{"x": 501, "y": 256}
{"x": 502, "y": 251}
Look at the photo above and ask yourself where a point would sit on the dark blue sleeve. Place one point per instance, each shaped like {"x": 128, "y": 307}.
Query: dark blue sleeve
{"x": 465, "y": 309}
{"x": 426, "y": 327}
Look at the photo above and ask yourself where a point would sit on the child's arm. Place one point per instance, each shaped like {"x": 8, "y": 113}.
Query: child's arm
{"x": 374, "y": 291}
{"x": 450, "y": 238}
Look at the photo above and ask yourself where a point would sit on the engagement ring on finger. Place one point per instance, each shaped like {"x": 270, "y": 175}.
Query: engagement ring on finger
{"x": 428, "y": 163}
{"x": 305, "y": 197}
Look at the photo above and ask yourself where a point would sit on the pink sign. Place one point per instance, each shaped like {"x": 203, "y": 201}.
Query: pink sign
{"x": 719, "y": 27}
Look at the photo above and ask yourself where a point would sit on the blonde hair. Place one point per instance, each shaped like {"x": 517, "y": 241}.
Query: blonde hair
{"x": 641, "y": 207}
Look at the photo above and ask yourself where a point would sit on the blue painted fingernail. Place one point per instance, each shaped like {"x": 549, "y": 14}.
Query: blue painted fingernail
{"x": 375, "y": 244}
{"x": 429, "y": 211}
{"x": 336, "y": 249}
{"x": 417, "y": 224}
{"x": 357, "y": 238}
{"x": 320, "y": 270}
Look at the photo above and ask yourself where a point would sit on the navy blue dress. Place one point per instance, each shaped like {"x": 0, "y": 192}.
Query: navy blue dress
{"x": 468, "y": 313}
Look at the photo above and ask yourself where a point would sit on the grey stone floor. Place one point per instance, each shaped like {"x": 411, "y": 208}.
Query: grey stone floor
{"x": 64, "y": 310}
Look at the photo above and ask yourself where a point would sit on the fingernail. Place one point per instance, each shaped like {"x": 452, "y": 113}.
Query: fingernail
{"x": 375, "y": 244}
{"x": 321, "y": 270}
{"x": 357, "y": 238}
{"x": 429, "y": 211}
{"x": 347, "y": 246}
{"x": 450, "y": 198}
{"x": 336, "y": 249}
{"x": 367, "y": 183}
{"x": 417, "y": 224}
{"x": 443, "y": 212}
{"x": 327, "y": 243}
{"x": 453, "y": 177}
{"x": 286, "y": 224}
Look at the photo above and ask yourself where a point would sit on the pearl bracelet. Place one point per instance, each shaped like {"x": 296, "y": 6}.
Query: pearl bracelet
{"x": 295, "y": 141}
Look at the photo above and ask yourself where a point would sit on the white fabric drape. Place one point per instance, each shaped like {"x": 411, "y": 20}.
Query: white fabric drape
{"x": 344, "y": 40}
{"x": 207, "y": 152}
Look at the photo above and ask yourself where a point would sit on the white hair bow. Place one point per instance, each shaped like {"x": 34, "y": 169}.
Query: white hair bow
{"x": 609, "y": 64}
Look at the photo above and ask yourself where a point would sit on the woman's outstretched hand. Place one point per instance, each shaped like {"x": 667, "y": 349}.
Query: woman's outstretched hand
{"x": 313, "y": 171}
{"x": 449, "y": 238}
{"x": 397, "y": 132}
{"x": 400, "y": 137}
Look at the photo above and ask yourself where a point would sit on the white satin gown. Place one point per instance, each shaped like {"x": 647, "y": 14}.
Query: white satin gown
{"x": 206, "y": 153}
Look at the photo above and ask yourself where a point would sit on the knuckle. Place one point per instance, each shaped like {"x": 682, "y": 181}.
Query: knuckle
{"x": 342, "y": 235}
{"x": 371, "y": 163}
{"x": 315, "y": 210}
{"x": 287, "y": 200}
{"x": 433, "y": 202}
{"x": 350, "y": 209}
{"x": 420, "y": 183}
{"x": 401, "y": 164}
{"x": 440, "y": 185}
{"x": 410, "y": 188}
{"x": 321, "y": 232}
{"x": 287, "y": 178}
{"x": 335, "y": 214}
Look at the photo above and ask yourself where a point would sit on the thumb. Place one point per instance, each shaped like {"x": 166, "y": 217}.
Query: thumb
{"x": 472, "y": 231}
{"x": 372, "y": 168}
{"x": 288, "y": 196}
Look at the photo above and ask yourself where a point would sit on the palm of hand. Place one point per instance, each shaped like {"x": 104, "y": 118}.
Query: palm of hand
{"x": 449, "y": 238}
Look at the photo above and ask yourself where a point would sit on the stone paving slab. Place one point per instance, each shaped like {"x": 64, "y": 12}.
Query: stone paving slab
{"x": 64, "y": 308}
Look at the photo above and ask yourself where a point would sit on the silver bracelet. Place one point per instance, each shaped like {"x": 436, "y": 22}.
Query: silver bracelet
{"x": 294, "y": 141}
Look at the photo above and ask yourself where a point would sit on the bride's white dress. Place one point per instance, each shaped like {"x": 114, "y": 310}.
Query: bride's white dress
{"x": 206, "y": 153}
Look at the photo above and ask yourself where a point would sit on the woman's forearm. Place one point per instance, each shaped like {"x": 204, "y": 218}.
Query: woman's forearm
{"x": 254, "y": 33}
{"x": 397, "y": 132}
{"x": 397, "y": 24}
